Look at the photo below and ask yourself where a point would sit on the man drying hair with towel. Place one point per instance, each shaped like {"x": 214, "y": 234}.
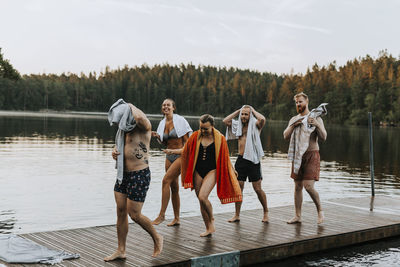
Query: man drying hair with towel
{"x": 133, "y": 174}
{"x": 247, "y": 130}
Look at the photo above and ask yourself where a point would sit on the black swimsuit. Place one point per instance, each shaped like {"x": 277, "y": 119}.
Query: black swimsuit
{"x": 206, "y": 160}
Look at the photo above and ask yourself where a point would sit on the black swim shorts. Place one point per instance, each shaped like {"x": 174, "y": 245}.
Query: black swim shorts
{"x": 134, "y": 184}
{"x": 246, "y": 168}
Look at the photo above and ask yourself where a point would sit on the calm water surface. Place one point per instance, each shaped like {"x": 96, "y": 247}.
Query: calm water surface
{"x": 57, "y": 173}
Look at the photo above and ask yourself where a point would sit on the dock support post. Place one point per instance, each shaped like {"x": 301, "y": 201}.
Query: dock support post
{"x": 371, "y": 154}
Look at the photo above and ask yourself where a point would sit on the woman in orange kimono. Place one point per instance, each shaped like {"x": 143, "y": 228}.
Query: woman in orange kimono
{"x": 205, "y": 162}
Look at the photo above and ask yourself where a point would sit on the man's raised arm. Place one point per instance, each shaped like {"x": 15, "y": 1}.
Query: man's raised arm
{"x": 228, "y": 119}
{"x": 141, "y": 120}
{"x": 260, "y": 119}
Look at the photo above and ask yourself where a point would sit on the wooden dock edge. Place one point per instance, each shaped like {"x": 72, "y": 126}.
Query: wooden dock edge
{"x": 296, "y": 248}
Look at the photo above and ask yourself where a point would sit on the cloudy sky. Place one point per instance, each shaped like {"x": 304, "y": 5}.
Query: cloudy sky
{"x": 280, "y": 36}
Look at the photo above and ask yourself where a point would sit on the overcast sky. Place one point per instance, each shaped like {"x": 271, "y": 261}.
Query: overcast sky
{"x": 280, "y": 36}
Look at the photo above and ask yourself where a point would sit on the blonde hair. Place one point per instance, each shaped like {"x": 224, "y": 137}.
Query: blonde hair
{"x": 302, "y": 94}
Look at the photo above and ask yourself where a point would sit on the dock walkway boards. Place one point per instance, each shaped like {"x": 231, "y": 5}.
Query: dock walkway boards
{"x": 347, "y": 221}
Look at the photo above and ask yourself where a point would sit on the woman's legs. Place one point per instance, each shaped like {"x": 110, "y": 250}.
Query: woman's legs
{"x": 198, "y": 181}
{"x": 170, "y": 183}
{"x": 204, "y": 191}
{"x": 175, "y": 171}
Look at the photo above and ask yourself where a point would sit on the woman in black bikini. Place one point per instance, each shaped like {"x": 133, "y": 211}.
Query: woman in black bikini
{"x": 170, "y": 137}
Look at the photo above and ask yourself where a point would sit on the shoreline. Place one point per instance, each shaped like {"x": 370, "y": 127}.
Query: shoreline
{"x": 73, "y": 114}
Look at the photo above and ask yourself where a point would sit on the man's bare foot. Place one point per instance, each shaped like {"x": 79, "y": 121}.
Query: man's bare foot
{"x": 158, "y": 246}
{"x": 321, "y": 217}
{"x": 265, "y": 218}
{"x": 158, "y": 220}
{"x": 295, "y": 219}
{"x": 117, "y": 255}
{"x": 235, "y": 218}
{"x": 175, "y": 222}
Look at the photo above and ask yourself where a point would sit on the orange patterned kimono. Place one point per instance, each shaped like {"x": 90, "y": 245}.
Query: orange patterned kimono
{"x": 228, "y": 189}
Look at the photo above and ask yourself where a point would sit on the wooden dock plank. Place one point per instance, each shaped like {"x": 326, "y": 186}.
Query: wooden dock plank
{"x": 348, "y": 221}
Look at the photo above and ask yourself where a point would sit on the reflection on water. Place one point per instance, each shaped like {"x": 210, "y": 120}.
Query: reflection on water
{"x": 378, "y": 253}
{"x": 58, "y": 173}
{"x": 347, "y": 145}
{"x": 7, "y": 221}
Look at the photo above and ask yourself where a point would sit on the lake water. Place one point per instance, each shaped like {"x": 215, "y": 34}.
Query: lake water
{"x": 57, "y": 173}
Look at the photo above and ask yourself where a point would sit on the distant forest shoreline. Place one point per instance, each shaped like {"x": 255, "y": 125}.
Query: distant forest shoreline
{"x": 73, "y": 114}
{"x": 361, "y": 85}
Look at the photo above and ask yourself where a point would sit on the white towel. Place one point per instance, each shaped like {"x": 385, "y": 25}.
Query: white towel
{"x": 181, "y": 126}
{"x": 15, "y": 249}
{"x": 253, "y": 150}
{"x": 120, "y": 114}
{"x": 300, "y": 138}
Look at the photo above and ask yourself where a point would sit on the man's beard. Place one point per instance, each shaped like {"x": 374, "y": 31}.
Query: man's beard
{"x": 244, "y": 121}
{"x": 300, "y": 109}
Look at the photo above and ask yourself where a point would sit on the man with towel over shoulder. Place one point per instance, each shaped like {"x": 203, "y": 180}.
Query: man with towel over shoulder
{"x": 304, "y": 130}
{"x": 132, "y": 145}
{"x": 247, "y": 130}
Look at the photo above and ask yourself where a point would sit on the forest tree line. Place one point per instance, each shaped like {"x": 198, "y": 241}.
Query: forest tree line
{"x": 361, "y": 85}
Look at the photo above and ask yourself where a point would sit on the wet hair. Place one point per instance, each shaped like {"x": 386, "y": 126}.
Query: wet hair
{"x": 246, "y": 106}
{"x": 302, "y": 94}
{"x": 207, "y": 118}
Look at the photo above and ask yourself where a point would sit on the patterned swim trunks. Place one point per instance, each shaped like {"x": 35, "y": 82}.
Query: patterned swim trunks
{"x": 134, "y": 184}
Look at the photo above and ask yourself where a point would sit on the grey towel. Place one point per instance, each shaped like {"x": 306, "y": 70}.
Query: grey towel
{"x": 120, "y": 114}
{"x": 253, "y": 149}
{"x": 15, "y": 249}
{"x": 300, "y": 138}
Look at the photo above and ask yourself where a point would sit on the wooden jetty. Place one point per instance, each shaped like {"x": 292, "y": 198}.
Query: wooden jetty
{"x": 347, "y": 221}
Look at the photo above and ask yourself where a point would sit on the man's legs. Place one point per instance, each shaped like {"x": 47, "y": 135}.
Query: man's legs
{"x": 262, "y": 197}
{"x": 122, "y": 227}
{"x": 238, "y": 205}
{"x": 135, "y": 212}
{"x": 298, "y": 200}
{"x": 309, "y": 186}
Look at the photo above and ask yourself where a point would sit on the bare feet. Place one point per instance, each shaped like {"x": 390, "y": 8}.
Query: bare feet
{"x": 295, "y": 219}
{"x": 209, "y": 230}
{"x": 206, "y": 233}
{"x": 117, "y": 255}
{"x": 158, "y": 220}
{"x": 321, "y": 217}
{"x": 265, "y": 218}
{"x": 158, "y": 246}
{"x": 235, "y": 218}
{"x": 175, "y": 222}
